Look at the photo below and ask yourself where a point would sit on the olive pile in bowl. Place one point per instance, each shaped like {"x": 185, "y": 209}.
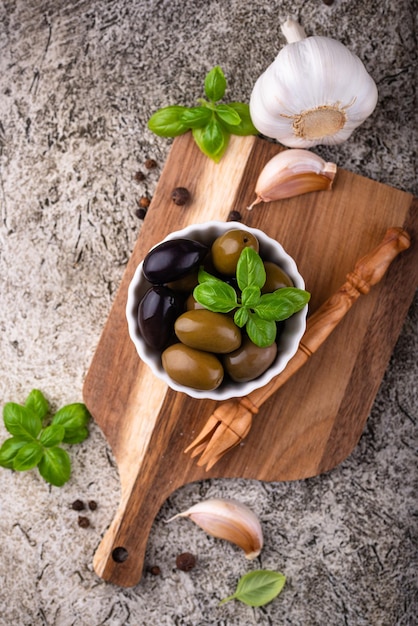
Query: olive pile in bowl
{"x": 192, "y": 310}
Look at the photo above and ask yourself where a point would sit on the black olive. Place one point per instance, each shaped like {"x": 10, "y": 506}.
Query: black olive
{"x": 157, "y": 312}
{"x": 173, "y": 259}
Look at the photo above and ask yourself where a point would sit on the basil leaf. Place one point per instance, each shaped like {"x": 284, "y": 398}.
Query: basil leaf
{"x": 166, "y": 122}
{"x": 241, "y": 317}
{"x": 216, "y": 296}
{"x": 204, "y": 277}
{"x": 75, "y": 435}
{"x": 52, "y": 435}
{"x": 72, "y": 416}
{"x": 196, "y": 117}
{"x": 21, "y": 421}
{"x": 269, "y": 308}
{"x": 228, "y": 115}
{"x": 250, "y": 296}
{"x": 37, "y": 403}
{"x": 28, "y": 456}
{"x": 282, "y": 303}
{"x": 9, "y": 449}
{"x": 215, "y": 84}
{"x": 298, "y": 297}
{"x": 261, "y": 332}
{"x": 246, "y": 126}
{"x": 212, "y": 139}
{"x": 258, "y": 587}
{"x": 55, "y": 466}
{"x": 250, "y": 269}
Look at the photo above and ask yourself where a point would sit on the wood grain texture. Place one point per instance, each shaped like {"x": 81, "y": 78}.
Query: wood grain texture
{"x": 316, "y": 419}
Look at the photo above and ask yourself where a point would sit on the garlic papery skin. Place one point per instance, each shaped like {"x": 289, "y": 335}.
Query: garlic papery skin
{"x": 293, "y": 31}
{"x": 291, "y": 173}
{"x": 315, "y": 92}
{"x": 230, "y": 520}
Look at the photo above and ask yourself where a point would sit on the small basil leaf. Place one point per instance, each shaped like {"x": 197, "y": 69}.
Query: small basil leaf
{"x": 250, "y": 269}
{"x": 241, "y": 317}
{"x": 261, "y": 332}
{"x": 246, "y": 126}
{"x": 204, "y": 277}
{"x": 271, "y": 309}
{"x": 52, "y": 435}
{"x": 55, "y": 466}
{"x": 72, "y": 416}
{"x": 21, "y": 421}
{"x": 282, "y": 303}
{"x": 215, "y": 84}
{"x": 28, "y": 456}
{"x": 298, "y": 297}
{"x": 216, "y": 296}
{"x": 250, "y": 296}
{"x": 212, "y": 139}
{"x": 196, "y": 117}
{"x": 166, "y": 122}
{"x": 228, "y": 115}
{"x": 75, "y": 435}
{"x": 9, "y": 449}
{"x": 37, "y": 403}
{"x": 258, "y": 587}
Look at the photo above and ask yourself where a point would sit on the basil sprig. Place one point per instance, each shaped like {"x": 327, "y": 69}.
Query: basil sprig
{"x": 256, "y": 311}
{"x": 258, "y": 587}
{"x": 211, "y": 122}
{"x": 36, "y": 443}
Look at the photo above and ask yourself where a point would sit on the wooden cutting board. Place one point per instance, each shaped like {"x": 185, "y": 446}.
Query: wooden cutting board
{"x": 313, "y": 422}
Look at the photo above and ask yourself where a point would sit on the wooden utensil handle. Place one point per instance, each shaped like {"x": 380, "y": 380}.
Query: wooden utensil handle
{"x": 368, "y": 271}
{"x": 372, "y": 267}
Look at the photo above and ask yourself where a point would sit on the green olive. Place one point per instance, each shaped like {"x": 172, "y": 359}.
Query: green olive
{"x": 192, "y": 368}
{"x": 205, "y": 330}
{"x": 276, "y": 278}
{"x": 192, "y": 304}
{"x": 249, "y": 361}
{"x": 227, "y": 248}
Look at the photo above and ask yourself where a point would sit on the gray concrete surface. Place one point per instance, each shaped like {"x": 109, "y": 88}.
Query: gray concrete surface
{"x": 78, "y": 81}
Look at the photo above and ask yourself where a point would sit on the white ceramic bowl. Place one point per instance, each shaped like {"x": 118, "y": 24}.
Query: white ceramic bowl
{"x": 292, "y": 333}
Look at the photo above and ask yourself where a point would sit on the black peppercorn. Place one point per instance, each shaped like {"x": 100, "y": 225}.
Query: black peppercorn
{"x": 180, "y": 195}
{"x": 185, "y": 561}
{"x": 139, "y": 177}
{"x": 141, "y": 213}
{"x": 150, "y": 164}
{"x": 234, "y": 216}
{"x": 328, "y": 2}
{"x": 155, "y": 570}
{"x": 83, "y": 521}
{"x": 92, "y": 505}
{"x": 77, "y": 505}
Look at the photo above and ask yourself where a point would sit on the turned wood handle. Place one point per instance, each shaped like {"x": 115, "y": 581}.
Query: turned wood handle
{"x": 369, "y": 270}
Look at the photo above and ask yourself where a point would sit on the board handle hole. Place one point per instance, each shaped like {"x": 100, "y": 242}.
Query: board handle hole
{"x": 120, "y": 554}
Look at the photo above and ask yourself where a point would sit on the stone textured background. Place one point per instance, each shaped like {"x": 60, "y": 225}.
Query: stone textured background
{"x": 78, "y": 82}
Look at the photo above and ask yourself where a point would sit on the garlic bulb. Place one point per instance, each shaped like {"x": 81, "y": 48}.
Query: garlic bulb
{"x": 315, "y": 92}
{"x": 230, "y": 520}
{"x": 291, "y": 173}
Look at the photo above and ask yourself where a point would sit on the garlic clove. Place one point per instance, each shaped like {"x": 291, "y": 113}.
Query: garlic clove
{"x": 230, "y": 520}
{"x": 291, "y": 173}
